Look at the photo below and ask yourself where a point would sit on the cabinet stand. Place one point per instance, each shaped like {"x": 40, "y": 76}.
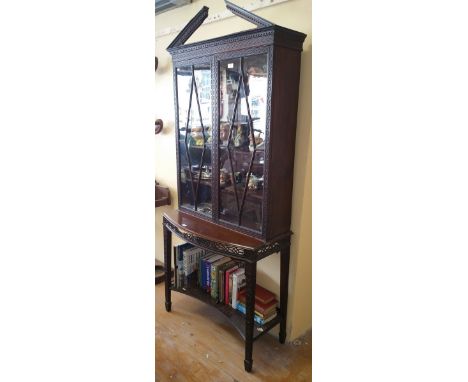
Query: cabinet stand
{"x": 236, "y": 99}
{"x": 213, "y": 238}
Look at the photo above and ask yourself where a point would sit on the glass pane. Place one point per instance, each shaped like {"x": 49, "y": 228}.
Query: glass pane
{"x": 194, "y": 98}
{"x": 243, "y": 96}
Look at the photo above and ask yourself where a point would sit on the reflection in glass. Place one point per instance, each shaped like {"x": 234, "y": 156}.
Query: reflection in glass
{"x": 243, "y": 96}
{"x": 194, "y": 114}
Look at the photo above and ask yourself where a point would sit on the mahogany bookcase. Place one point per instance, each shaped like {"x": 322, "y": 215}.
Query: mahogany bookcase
{"x": 236, "y": 101}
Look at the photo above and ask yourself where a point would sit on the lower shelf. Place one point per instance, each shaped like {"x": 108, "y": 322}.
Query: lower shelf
{"x": 236, "y": 318}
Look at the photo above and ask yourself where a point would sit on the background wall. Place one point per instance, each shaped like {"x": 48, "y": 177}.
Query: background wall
{"x": 294, "y": 14}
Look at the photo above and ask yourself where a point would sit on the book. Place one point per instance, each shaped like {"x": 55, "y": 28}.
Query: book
{"x": 208, "y": 256}
{"x": 261, "y": 308}
{"x": 201, "y": 266}
{"x": 178, "y": 267}
{"x": 228, "y": 283}
{"x": 263, "y": 296}
{"x": 214, "y": 276}
{"x": 238, "y": 281}
{"x": 221, "y": 273}
{"x": 180, "y": 263}
{"x": 221, "y": 276}
{"x": 241, "y": 308}
{"x": 185, "y": 263}
{"x": 263, "y": 314}
{"x": 191, "y": 257}
{"x": 194, "y": 255}
{"x": 207, "y": 271}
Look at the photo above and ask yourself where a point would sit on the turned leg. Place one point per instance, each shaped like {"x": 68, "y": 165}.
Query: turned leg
{"x": 167, "y": 266}
{"x": 251, "y": 277}
{"x": 284, "y": 281}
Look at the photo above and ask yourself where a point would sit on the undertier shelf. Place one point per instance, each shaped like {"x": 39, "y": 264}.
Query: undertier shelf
{"x": 236, "y": 318}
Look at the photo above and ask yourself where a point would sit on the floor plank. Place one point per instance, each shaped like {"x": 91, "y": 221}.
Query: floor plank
{"x": 195, "y": 342}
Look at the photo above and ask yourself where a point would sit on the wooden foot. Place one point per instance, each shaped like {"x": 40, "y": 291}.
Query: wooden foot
{"x": 248, "y": 365}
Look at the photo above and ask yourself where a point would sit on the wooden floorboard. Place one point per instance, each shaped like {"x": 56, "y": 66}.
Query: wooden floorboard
{"x": 195, "y": 342}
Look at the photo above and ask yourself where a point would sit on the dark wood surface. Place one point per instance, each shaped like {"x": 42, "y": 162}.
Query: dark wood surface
{"x": 178, "y": 222}
{"x": 283, "y": 87}
{"x": 282, "y": 47}
{"x": 257, "y": 37}
{"x": 211, "y": 231}
{"x": 284, "y": 98}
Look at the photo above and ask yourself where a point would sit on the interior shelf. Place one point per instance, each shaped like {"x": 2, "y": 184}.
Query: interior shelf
{"x": 206, "y": 182}
{"x": 237, "y": 149}
{"x": 235, "y": 318}
{"x": 255, "y": 195}
{"x": 200, "y": 147}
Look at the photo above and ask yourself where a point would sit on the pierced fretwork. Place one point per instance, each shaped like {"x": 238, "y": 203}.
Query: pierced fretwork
{"x": 225, "y": 249}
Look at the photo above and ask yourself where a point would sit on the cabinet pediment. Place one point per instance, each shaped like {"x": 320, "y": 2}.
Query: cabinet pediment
{"x": 198, "y": 19}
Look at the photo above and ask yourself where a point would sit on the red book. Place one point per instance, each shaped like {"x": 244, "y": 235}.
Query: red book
{"x": 261, "y": 308}
{"x": 226, "y": 283}
{"x": 263, "y": 295}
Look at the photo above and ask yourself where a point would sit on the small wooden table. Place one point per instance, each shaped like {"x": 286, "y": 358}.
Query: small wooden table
{"x": 249, "y": 250}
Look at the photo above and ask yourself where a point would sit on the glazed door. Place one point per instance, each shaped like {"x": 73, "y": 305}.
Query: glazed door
{"x": 194, "y": 105}
{"x": 243, "y": 97}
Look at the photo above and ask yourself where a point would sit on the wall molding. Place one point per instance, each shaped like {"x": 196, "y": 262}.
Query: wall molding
{"x": 252, "y": 6}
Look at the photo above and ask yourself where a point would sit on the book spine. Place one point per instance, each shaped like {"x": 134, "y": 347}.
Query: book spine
{"x": 241, "y": 308}
{"x": 179, "y": 268}
{"x": 214, "y": 286}
{"x": 221, "y": 285}
{"x": 226, "y": 287}
{"x": 193, "y": 262}
{"x": 234, "y": 291}
{"x": 258, "y": 310}
{"x": 196, "y": 260}
{"x": 201, "y": 274}
{"x": 208, "y": 276}
{"x": 229, "y": 300}
{"x": 182, "y": 267}
{"x": 186, "y": 267}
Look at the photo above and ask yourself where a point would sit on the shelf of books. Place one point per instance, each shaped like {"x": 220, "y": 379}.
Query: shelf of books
{"x": 219, "y": 282}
